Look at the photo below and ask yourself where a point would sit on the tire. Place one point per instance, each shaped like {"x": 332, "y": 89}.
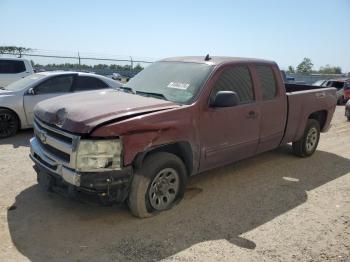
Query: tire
{"x": 307, "y": 145}
{"x": 9, "y": 123}
{"x": 159, "y": 172}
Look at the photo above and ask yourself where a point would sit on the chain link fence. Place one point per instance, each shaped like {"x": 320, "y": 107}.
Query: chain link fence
{"x": 312, "y": 78}
{"x": 104, "y": 64}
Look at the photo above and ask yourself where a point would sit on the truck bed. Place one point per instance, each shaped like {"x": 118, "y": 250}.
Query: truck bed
{"x": 303, "y": 101}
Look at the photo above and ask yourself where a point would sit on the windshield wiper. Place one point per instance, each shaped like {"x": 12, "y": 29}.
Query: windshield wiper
{"x": 143, "y": 93}
{"x": 156, "y": 95}
{"x": 127, "y": 89}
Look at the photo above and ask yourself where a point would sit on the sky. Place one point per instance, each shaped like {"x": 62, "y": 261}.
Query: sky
{"x": 279, "y": 30}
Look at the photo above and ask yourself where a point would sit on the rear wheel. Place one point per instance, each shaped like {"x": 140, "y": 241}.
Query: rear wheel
{"x": 307, "y": 145}
{"x": 9, "y": 123}
{"x": 157, "y": 185}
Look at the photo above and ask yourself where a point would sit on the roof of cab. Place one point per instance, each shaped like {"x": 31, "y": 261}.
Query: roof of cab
{"x": 216, "y": 60}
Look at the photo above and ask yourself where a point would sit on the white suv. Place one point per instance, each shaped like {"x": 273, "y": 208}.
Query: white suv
{"x": 13, "y": 69}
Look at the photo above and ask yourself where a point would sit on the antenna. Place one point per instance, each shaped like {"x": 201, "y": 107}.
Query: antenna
{"x": 207, "y": 57}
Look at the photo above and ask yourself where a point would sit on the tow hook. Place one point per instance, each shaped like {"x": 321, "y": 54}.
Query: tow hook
{"x": 105, "y": 197}
{"x": 108, "y": 185}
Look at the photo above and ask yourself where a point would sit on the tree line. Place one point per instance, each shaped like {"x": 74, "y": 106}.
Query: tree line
{"x": 306, "y": 67}
{"x": 98, "y": 67}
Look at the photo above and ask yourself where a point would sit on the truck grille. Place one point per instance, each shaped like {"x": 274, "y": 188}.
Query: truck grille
{"x": 57, "y": 145}
{"x": 53, "y": 151}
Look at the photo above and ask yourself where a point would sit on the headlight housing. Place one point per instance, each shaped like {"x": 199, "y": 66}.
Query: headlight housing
{"x": 98, "y": 155}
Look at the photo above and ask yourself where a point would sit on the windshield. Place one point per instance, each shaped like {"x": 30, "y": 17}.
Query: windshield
{"x": 318, "y": 83}
{"x": 24, "y": 82}
{"x": 178, "y": 82}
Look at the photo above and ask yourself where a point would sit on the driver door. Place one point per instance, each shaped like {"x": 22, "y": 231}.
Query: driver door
{"x": 53, "y": 87}
{"x": 229, "y": 134}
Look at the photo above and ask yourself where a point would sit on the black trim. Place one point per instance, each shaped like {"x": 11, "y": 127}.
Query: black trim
{"x": 112, "y": 185}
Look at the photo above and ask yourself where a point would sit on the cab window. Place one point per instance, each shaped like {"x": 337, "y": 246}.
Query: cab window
{"x": 236, "y": 79}
{"x": 267, "y": 81}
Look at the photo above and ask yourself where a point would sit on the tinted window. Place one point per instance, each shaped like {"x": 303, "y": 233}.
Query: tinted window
{"x": 11, "y": 67}
{"x": 267, "y": 82}
{"x": 90, "y": 83}
{"x": 57, "y": 84}
{"x": 236, "y": 79}
{"x": 337, "y": 84}
{"x": 347, "y": 85}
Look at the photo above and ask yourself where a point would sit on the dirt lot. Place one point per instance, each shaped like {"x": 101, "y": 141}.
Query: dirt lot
{"x": 273, "y": 207}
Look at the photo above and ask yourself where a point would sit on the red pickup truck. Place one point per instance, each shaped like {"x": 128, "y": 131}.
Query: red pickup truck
{"x": 176, "y": 118}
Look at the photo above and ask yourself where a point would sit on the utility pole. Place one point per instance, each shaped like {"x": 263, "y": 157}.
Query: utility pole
{"x": 79, "y": 60}
{"x": 131, "y": 63}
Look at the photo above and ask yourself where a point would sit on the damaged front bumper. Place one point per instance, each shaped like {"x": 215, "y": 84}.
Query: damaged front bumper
{"x": 111, "y": 185}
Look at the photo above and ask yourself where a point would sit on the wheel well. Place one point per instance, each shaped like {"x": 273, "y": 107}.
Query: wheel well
{"x": 320, "y": 116}
{"x": 182, "y": 150}
{"x": 19, "y": 120}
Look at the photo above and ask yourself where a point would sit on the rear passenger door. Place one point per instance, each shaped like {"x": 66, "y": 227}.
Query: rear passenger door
{"x": 11, "y": 70}
{"x": 273, "y": 106}
{"x": 229, "y": 134}
{"x": 86, "y": 83}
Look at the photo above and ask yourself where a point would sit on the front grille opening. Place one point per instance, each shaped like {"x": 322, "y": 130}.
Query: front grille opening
{"x": 61, "y": 155}
{"x": 44, "y": 162}
{"x": 58, "y": 136}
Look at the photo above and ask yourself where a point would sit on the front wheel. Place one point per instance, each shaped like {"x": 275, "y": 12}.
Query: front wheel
{"x": 157, "y": 185}
{"x": 9, "y": 123}
{"x": 307, "y": 145}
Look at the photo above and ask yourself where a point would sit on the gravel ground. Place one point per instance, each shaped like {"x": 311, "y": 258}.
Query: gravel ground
{"x": 273, "y": 207}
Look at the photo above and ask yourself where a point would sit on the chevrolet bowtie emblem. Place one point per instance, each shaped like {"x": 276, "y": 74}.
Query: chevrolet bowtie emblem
{"x": 42, "y": 136}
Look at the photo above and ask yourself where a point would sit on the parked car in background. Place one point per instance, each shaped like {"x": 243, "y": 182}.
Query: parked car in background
{"x": 176, "y": 118}
{"x": 320, "y": 82}
{"x": 13, "y": 69}
{"x": 347, "y": 90}
{"x": 119, "y": 77}
{"x": 18, "y": 99}
{"x": 347, "y": 110}
{"x": 340, "y": 84}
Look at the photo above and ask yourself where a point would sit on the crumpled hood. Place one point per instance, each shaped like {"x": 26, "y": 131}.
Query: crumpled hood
{"x": 81, "y": 112}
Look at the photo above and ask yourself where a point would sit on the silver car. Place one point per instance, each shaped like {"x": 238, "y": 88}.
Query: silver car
{"x": 18, "y": 99}
{"x": 339, "y": 84}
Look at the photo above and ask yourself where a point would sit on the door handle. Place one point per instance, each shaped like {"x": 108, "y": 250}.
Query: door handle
{"x": 252, "y": 115}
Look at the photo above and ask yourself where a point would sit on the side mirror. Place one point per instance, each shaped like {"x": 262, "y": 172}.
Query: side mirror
{"x": 31, "y": 91}
{"x": 225, "y": 99}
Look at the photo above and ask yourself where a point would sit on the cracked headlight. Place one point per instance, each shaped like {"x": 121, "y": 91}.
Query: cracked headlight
{"x": 98, "y": 155}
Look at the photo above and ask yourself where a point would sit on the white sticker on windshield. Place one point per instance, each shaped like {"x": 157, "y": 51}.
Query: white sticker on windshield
{"x": 177, "y": 85}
